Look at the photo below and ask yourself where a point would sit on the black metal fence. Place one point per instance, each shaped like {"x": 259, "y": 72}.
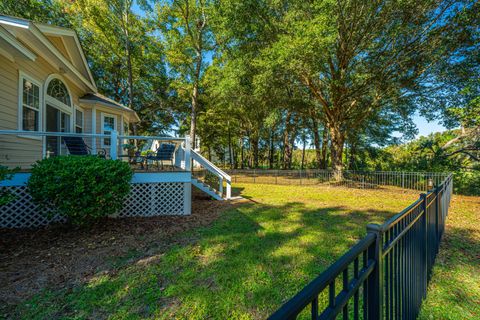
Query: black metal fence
{"x": 418, "y": 181}
{"x": 385, "y": 275}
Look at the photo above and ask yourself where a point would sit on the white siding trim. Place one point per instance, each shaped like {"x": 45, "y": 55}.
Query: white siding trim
{"x": 22, "y": 75}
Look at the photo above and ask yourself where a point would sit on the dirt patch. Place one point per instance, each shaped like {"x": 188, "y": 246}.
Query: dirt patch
{"x": 61, "y": 257}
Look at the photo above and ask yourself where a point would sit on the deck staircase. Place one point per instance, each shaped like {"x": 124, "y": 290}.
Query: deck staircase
{"x": 210, "y": 179}
{"x": 199, "y": 184}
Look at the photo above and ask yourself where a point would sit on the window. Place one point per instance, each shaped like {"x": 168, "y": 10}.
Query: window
{"x": 57, "y": 90}
{"x": 108, "y": 125}
{"x": 30, "y": 105}
{"x": 78, "y": 121}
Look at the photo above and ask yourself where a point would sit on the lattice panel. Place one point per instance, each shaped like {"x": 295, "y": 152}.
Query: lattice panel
{"x": 153, "y": 199}
{"x": 144, "y": 200}
{"x": 23, "y": 213}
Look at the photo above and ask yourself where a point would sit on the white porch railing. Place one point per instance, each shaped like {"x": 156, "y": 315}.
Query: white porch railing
{"x": 23, "y": 148}
{"x": 222, "y": 176}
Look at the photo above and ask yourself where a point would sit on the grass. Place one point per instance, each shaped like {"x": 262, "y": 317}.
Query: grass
{"x": 247, "y": 263}
{"x": 454, "y": 290}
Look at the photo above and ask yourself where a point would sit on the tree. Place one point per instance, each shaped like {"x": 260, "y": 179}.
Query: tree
{"x": 46, "y": 11}
{"x": 188, "y": 41}
{"x": 357, "y": 57}
{"x": 125, "y": 56}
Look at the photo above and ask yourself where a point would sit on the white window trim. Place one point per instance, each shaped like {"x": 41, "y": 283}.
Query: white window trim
{"x": 22, "y": 75}
{"x": 70, "y": 110}
{"x": 82, "y": 111}
{"x": 102, "y": 125}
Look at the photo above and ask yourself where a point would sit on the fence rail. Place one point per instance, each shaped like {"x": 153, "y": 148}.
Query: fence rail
{"x": 385, "y": 275}
{"x": 419, "y": 181}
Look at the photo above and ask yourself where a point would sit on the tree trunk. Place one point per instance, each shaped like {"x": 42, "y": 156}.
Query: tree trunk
{"x": 254, "y": 145}
{"x": 337, "y": 139}
{"x": 242, "y": 155}
{"x": 324, "y": 162}
{"x": 293, "y": 137}
{"x": 353, "y": 151}
{"x": 130, "y": 74}
{"x": 193, "y": 115}
{"x": 303, "y": 152}
{"x": 316, "y": 142}
{"x": 230, "y": 152}
{"x": 287, "y": 151}
{"x": 271, "y": 150}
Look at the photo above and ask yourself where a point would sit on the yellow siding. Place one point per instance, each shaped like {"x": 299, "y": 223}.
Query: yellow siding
{"x": 19, "y": 151}
{"x": 24, "y": 151}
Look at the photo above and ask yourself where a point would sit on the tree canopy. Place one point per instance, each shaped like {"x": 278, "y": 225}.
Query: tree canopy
{"x": 258, "y": 80}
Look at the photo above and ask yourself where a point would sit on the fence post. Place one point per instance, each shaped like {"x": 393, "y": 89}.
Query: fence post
{"x": 426, "y": 245}
{"x": 113, "y": 144}
{"x": 376, "y": 279}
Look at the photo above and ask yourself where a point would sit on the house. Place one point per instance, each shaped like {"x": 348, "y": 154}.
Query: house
{"x": 46, "y": 85}
{"x": 47, "y": 95}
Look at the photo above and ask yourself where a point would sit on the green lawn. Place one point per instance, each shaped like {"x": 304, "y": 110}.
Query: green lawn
{"x": 454, "y": 291}
{"x": 252, "y": 259}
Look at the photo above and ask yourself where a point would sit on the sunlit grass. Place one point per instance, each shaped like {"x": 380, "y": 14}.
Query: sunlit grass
{"x": 454, "y": 291}
{"x": 243, "y": 266}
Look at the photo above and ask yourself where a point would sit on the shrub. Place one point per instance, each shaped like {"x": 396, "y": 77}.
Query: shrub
{"x": 5, "y": 195}
{"x": 80, "y": 188}
{"x": 467, "y": 182}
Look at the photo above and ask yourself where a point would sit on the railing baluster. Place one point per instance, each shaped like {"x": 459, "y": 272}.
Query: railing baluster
{"x": 345, "y": 289}
{"x": 315, "y": 308}
{"x": 356, "y": 295}
{"x": 331, "y": 294}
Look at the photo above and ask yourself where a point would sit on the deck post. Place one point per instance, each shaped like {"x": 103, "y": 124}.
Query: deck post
{"x": 94, "y": 130}
{"x": 114, "y": 145}
{"x": 220, "y": 186}
{"x": 229, "y": 189}
{"x": 188, "y": 159}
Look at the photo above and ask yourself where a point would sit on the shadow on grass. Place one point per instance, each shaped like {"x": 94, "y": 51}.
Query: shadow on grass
{"x": 454, "y": 290}
{"x": 244, "y": 265}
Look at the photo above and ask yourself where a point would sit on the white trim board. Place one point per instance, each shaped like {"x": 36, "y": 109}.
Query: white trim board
{"x": 21, "y": 179}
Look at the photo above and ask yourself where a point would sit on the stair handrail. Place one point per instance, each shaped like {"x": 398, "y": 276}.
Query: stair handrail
{"x": 215, "y": 170}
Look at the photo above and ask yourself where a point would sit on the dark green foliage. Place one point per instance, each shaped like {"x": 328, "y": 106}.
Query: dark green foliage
{"x": 81, "y": 188}
{"x": 5, "y": 195}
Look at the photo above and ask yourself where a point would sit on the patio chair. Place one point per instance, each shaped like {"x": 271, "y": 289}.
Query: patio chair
{"x": 77, "y": 147}
{"x": 164, "y": 153}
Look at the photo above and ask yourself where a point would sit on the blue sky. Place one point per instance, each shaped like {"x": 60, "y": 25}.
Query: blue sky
{"x": 425, "y": 127}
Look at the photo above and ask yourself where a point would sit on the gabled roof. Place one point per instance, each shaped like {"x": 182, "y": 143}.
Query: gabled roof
{"x": 71, "y": 40}
{"x": 102, "y": 100}
{"x": 25, "y": 33}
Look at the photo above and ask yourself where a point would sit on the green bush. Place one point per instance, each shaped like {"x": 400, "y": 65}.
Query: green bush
{"x": 5, "y": 195}
{"x": 81, "y": 188}
{"x": 466, "y": 183}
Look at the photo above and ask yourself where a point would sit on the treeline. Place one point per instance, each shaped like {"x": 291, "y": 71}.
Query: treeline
{"x": 257, "y": 82}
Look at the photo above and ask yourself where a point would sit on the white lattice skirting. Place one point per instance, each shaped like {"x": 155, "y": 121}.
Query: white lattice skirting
{"x": 144, "y": 200}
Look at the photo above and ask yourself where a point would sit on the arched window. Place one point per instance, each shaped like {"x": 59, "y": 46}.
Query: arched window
{"x": 57, "y": 90}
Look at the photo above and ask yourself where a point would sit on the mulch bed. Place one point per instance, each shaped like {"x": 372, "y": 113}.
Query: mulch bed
{"x": 61, "y": 257}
